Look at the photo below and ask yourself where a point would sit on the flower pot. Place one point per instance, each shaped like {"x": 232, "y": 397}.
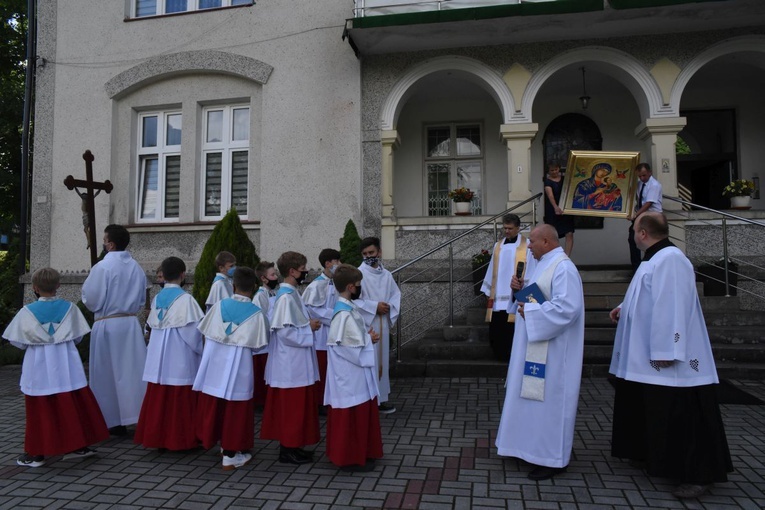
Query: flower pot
{"x": 741, "y": 202}
{"x": 462, "y": 208}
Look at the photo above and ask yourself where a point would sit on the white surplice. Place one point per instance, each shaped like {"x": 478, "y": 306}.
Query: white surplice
{"x": 661, "y": 319}
{"x": 378, "y": 286}
{"x": 175, "y": 345}
{"x": 226, "y": 369}
{"x": 292, "y": 359}
{"x": 55, "y": 366}
{"x": 505, "y": 272}
{"x": 320, "y": 298}
{"x": 221, "y": 288}
{"x": 542, "y": 433}
{"x": 351, "y": 377}
{"x": 116, "y": 286}
{"x": 264, "y": 299}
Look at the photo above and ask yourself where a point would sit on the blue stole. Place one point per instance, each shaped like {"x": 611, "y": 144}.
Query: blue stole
{"x": 283, "y": 290}
{"x": 165, "y": 300}
{"x": 219, "y": 277}
{"x": 49, "y": 313}
{"x": 235, "y": 312}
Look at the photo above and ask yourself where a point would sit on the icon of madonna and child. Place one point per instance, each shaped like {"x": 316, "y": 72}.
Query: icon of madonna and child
{"x": 599, "y": 192}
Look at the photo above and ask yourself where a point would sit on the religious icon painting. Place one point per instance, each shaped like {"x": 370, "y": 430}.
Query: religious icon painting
{"x": 600, "y": 183}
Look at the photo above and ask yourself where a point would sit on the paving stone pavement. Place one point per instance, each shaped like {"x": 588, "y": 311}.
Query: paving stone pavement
{"x": 439, "y": 454}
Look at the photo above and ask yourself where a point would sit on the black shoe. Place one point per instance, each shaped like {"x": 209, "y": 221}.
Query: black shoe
{"x": 291, "y": 456}
{"x": 32, "y": 461}
{"x": 386, "y": 408}
{"x": 308, "y": 454}
{"x": 544, "y": 472}
{"x": 355, "y": 468}
{"x": 322, "y": 410}
{"x": 119, "y": 431}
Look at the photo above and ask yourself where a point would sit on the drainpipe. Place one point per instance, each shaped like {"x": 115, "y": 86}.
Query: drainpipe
{"x": 26, "y": 125}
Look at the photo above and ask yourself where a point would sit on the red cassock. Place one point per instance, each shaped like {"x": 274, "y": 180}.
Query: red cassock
{"x": 353, "y": 434}
{"x": 229, "y": 421}
{"x": 321, "y": 358}
{"x": 63, "y": 422}
{"x": 260, "y": 388}
{"x": 291, "y": 416}
{"x": 167, "y": 418}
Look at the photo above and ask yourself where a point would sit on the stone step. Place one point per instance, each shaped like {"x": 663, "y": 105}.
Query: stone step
{"x": 736, "y": 318}
{"x": 737, "y": 335}
{"x": 608, "y": 275}
{"x": 718, "y": 303}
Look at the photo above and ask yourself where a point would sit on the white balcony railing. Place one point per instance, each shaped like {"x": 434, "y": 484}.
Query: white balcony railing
{"x": 364, "y": 8}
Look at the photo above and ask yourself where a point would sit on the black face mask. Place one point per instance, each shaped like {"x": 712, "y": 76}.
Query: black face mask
{"x": 36, "y": 294}
{"x": 272, "y": 284}
{"x": 356, "y": 293}
{"x": 301, "y": 278}
{"x": 161, "y": 285}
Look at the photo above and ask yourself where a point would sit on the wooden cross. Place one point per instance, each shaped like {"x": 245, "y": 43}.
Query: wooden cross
{"x": 89, "y": 185}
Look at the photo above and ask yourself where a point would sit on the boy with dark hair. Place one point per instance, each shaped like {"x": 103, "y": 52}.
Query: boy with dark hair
{"x": 264, "y": 297}
{"x": 379, "y": 305}
{"x": 354, "y": 440}
{"x": 172, "y": 361}
{"x": 291, "y": 412}
{"x": 221, "y": 286}
{"x": 115, "y": 291}
{"x": 62, "y": 415}
{"x": 319, "y": 298}
{"x": 234, "y": 329}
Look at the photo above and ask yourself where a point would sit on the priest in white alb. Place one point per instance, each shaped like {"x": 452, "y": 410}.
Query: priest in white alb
{"x": 666, "y": 415}
{"x": 115, "y": 291}
{"x": 543, "y": 378}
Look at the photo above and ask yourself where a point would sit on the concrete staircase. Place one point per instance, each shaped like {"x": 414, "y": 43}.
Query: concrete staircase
{"x": 738, "y": 337}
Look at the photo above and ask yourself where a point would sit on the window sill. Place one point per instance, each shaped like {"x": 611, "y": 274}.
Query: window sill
{"x": 183, "y": 13}
{"x": 200, "y": 226}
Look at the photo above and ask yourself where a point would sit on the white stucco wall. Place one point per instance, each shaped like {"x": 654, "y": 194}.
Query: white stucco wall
{"x": 309, "y": 138}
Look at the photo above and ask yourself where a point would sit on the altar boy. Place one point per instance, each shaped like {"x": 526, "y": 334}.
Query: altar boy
{"x": 234, "y": 329}
{"x": 172, "y": 361}
{"x": 354, "y": 440}
{"x": 62, "y": 415}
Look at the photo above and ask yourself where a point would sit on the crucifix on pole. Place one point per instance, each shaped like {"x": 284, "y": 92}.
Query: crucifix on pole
{"x": 88, "y": 196}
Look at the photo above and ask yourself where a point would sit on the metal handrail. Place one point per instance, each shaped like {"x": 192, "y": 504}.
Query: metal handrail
{"x": 726, "y": 259}
{"x": 449, "y": 244}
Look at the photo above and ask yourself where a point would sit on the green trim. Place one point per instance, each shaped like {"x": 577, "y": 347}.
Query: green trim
{"x": 636, "y": 4}
{"x": 479, "y": 13}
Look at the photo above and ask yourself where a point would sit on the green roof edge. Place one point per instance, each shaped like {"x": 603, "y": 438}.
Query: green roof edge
{"x": 636, "y": 4}
{"x": 480, "y": 13}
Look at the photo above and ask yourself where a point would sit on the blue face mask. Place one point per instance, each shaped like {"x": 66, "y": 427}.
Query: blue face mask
{"x": 230, "y": 272}
{"x": 371, "y": 261}
{"x": 332, "y": 270}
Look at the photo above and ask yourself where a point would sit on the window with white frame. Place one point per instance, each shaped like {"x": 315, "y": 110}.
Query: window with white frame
{"x": 142, "y": 8}
{"x": 225, "y": 160}
{"x": 453, "y": 159}
{"x": 159, "y": 166}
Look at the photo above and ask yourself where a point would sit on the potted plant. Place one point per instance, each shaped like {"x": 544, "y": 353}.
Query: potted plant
{"x": 461, "y": 197}
{"x": 479, "y": 264}
{"x": 740, "y": 193}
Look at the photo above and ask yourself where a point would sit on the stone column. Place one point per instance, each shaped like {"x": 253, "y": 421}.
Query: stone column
{"x": 518, "y": 138}
{"x": 660, "y": 136}
{"x": 390, "y": 141}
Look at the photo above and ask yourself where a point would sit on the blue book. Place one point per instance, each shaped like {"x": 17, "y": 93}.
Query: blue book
{"x": 530, "y": 294}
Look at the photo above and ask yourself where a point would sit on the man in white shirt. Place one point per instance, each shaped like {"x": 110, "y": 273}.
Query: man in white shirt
{"x": 647, "y": 199}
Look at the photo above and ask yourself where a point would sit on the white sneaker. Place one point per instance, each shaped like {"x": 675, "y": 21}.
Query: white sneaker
{"x": 237, "y": 461}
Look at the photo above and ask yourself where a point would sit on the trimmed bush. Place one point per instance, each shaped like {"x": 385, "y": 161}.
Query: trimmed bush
{"x": 228, "y": 235}
{"x": 349, "y": 245}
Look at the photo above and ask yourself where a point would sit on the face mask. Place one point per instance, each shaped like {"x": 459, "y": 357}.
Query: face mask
{"x": 230, "y": 272}
{"x": 371, "y": 261}
{"x": 272, "y": 284}
{"x": 36, "y": 294}
{"x": 332, "y": 270}
{"x": 162, "y": 285}
{"x": 301, "y": 278}
{"x": 103, "y": 247}
{"x": 357, "y": 293}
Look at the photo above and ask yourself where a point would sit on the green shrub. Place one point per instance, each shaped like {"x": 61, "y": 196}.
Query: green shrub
{"x": 228, "y": 235}
{"x": 349, "y": 245}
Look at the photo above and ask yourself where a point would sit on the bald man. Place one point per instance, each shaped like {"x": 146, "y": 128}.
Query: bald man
{"x": 666, "y": 415}
{"x": 545, "y": 370}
